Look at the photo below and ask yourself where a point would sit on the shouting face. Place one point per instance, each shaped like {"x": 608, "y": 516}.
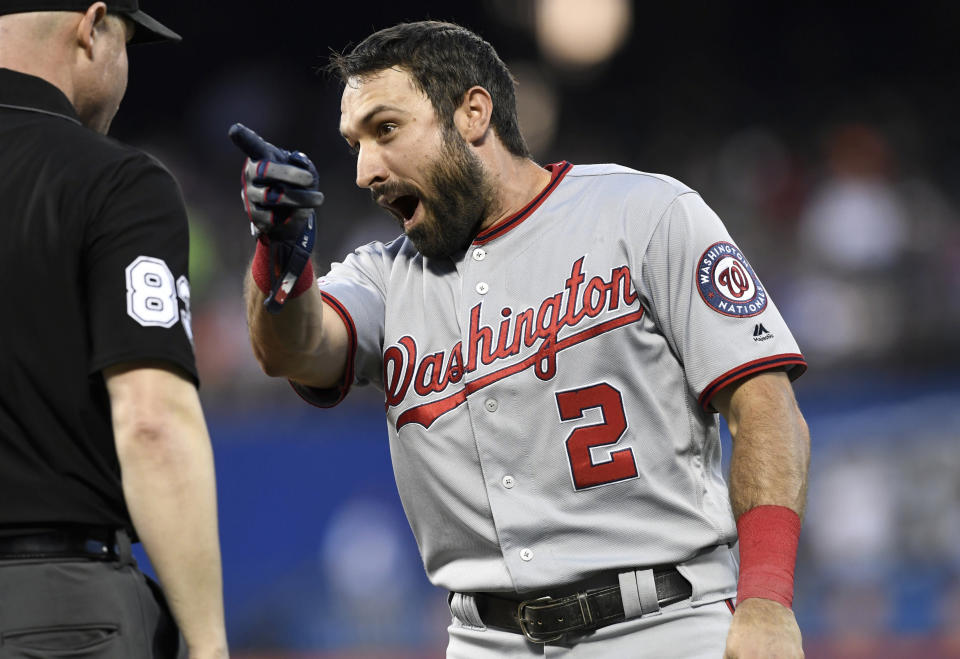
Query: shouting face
{"x": 423, "y": 173}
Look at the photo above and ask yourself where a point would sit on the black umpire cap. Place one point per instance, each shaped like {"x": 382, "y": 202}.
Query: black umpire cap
{"x": 148, "y": 29}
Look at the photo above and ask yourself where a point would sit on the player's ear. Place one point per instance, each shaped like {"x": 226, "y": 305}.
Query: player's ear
{"x": 473, "y": 116}
{"x": 87, "y": 27}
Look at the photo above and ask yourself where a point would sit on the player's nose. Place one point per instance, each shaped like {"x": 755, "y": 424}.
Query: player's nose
{"x": 370, "y": 167}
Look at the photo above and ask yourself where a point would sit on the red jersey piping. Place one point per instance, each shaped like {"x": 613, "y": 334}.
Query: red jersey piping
{"x": 558, "y": 171}
{"x": 795, "y": 361}
{"x": 304, "y": 391}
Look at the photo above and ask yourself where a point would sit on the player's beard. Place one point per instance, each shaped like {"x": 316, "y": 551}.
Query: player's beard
{"x": 460, "y": 197}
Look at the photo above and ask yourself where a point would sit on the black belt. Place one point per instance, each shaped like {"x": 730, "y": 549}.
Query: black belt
{"x": 95, "y": 545}
{"x": 546, "y": 619}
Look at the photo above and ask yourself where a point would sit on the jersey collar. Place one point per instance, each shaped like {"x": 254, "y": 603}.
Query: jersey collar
{"x": 557, "y": 170}
{"x": 20, "y": 91}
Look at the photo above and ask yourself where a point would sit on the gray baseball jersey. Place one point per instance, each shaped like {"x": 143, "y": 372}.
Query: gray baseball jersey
{"x": 548, "y": 389}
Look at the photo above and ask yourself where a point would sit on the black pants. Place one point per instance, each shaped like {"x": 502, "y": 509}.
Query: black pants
{"x": 76, "y": 608}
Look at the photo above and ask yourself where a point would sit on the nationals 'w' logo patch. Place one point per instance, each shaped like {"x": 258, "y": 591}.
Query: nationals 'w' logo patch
{"x": 727, "y": 282}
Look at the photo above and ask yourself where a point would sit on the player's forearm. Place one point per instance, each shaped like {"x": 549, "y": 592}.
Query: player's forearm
{"x": 300, "y": 342}
{"x": 169, "y": 486}
{"x": 771, "y": 446}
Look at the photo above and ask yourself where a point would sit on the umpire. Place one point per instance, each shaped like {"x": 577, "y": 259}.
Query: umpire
{"x": 102, "y": 437}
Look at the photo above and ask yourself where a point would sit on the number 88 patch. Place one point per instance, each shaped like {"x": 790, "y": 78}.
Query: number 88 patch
{"x": 728, "y": 284}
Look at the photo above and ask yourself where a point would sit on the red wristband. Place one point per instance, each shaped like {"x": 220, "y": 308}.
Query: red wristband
{"x": 261, "y": 272}
{"x": 768, "y": 553}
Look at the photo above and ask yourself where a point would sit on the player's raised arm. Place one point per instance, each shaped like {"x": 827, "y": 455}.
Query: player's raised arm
{"x": 291, "y": 333}
{"x": 768, "y": 486}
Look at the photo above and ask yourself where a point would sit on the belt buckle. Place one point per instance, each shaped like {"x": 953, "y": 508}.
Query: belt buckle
{"x": 531, "y": 634}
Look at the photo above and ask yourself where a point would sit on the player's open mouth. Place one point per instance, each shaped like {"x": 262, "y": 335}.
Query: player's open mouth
{"x": 407, "y": 205}
{"x": 404, "y": 208}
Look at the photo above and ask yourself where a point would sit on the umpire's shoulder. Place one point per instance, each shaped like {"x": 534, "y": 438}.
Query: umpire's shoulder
{"x": 90, "y": 155}
{"x": 114, "y": 168}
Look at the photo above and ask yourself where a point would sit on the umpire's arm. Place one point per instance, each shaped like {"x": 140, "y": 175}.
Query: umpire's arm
{"x": 768, "y": 474}
{"x": 166, "y": 465}
{"x": 306, "y": 342}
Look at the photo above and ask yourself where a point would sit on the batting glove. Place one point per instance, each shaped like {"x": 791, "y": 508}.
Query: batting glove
{"x": 280, "y": 195}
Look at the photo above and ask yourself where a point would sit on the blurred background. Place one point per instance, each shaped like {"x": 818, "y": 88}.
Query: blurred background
{"x": 827, "y": 139}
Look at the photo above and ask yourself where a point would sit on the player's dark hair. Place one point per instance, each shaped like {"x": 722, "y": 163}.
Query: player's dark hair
{"x": 444, "y": 60}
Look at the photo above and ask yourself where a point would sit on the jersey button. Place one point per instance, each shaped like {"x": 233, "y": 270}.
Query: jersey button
{"x": 479, "y": 254}
{"x": 507, "y": 481}
{"x": 491, "y": 405}
{"x": 526, "y": 554}
{"x": 482, "y": 288}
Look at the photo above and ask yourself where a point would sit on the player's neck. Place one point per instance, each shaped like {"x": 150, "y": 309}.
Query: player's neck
{"x": 515, "y": 181}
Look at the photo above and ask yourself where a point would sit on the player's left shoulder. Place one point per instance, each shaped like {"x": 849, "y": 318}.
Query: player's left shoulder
{"x": 619, "y": 180}
{"x": 617, "y": 194}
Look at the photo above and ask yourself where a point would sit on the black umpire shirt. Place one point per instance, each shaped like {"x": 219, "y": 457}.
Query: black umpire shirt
{"x": 93, "y": 272}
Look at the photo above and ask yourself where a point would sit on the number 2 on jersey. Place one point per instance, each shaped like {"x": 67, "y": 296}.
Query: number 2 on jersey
{"x": 580, "y": 443}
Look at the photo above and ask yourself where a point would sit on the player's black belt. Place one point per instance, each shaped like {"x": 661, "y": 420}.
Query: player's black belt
{"x": 546, "y": 619}
{"x": 92, "y": 544}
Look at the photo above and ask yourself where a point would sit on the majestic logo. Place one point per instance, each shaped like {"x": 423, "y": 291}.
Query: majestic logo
{"x": 404, "y": 367}
{"x": 761, "y": 333}
{"x": 727, "y": 282}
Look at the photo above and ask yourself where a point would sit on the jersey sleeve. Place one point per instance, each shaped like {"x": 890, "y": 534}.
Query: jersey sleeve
{"x": 355, "y": 289}
{"x": 710, "y": 304}
{"x": 135, "y": 265}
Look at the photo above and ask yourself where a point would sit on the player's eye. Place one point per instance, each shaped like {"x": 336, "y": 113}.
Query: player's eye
{"x": 386, "y": 128}
{"x": 354, "y": 149}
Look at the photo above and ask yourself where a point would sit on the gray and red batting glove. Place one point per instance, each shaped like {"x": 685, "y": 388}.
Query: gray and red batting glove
{"x": 280, "y": 196}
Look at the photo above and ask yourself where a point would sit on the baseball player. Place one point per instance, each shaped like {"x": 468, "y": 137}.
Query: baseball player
{"x": 553, "y": 344}
{"x": 102, "y": 437}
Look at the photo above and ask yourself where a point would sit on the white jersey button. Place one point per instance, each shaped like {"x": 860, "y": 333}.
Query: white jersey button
{"x": 491, "y": 405}
{"x": 482, "y": 288}
{"x": 479, "y": 254}
{"x": 526, "y": 554}
{"x": 507, "y": 481}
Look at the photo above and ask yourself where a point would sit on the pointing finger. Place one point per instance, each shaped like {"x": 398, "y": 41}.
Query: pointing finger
{"x": 252, "y": 144}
